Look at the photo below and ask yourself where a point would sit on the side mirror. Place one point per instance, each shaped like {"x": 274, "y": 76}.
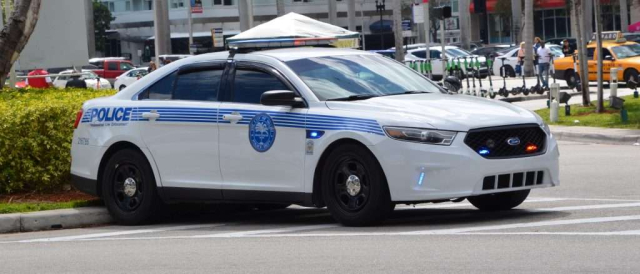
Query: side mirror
{"x": 281, "y": 98}
{"x": 608, "y": 58}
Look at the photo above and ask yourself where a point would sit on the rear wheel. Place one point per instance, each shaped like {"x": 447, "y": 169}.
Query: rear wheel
{"x": 354, "y": 187}
{"x": 499, "y": 201}
{"x": 129, "y": 188}
{"x": 571, "y": 78}
{"x": 631, "y": 74}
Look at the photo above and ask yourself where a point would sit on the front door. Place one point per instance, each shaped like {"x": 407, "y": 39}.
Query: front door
{"x": 262, "y": 148}
{"x": 179, "y": 125}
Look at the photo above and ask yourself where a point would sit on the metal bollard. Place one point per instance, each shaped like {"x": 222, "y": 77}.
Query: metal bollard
{"x": 613, "y": 85}
{"x": 555, "y": 88}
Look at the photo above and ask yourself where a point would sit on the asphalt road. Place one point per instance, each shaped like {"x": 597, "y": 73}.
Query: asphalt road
{"x": 591, "y": 223}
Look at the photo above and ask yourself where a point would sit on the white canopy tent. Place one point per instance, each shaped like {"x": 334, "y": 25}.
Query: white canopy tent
{"x": 292, "y": 26}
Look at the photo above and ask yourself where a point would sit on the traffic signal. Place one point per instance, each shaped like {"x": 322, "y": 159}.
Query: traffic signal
{"x": 442, "y": 12}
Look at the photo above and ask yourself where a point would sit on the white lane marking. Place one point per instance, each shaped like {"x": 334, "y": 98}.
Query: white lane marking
{"x": 525, "y": 225}
{"x": 600, "y": 199}
{"x": 118, "y": 233}
{"x": 278, "y": 233}
{"x": 586, "y": 207}
{"x": 605, "y": 233}
{"x": 466, "y": 204}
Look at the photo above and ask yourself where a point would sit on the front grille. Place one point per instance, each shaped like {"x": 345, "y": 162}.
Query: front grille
{"x": 500, "y": 142}
{"x": 513, "y": 180}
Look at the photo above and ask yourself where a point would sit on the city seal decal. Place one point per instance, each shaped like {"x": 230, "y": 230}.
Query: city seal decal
{"x": 262, "y": 132}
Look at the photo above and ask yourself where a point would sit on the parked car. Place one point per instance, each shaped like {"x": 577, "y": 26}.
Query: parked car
{"x": 341, "y": 128}
{"x": 391, "y": 53}
{"x": 452, "y": 53}
{"x": 111, "y": 67}
{"x": 558, "y": 41}
{"x": 511, "y": 60}
{"x": 632, "y": 37}
{"x": 171, "y": 58}
{"x": 129, "y": 77}
{"x": 490, "y": 52}
{"x": 91, "y": 78}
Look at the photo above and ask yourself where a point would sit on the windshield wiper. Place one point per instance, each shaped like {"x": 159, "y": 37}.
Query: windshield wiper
{"x": 408, "y": 92}
{"x": 354, "y": 97}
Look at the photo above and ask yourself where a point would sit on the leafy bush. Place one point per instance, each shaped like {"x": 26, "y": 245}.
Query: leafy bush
{"x": 36, "y": 129}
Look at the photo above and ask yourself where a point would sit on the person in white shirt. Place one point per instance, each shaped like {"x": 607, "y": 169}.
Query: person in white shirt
{"x": 544, "y": 57}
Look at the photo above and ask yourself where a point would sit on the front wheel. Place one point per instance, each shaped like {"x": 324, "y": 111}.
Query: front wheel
{"x": 129, "y": 188}
{"x": 499, "y": 201}
{"x": 354, "y": 187}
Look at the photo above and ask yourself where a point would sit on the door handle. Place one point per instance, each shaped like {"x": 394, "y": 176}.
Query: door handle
{"x": 233, "y": 118}
{"x": 151, "y": 115}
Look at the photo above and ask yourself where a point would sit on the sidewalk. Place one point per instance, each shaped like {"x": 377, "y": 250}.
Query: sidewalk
{"x": 54, "y": 219}
{"x": 597, "y": 135}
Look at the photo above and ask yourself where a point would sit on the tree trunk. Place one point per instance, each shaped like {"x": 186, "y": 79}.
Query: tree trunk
{"x": 624, "y": 15}
{"x": 16, "y": 34}
{"x": 465, "y": 24}
{"x": 582, "y": 52}
{"x": 600, "y": 106}
{"x": 397, "y": 23}
{"x": 528, "y": 37}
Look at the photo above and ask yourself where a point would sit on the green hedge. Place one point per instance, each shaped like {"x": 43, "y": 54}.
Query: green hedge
{"x": 36, "y": 128}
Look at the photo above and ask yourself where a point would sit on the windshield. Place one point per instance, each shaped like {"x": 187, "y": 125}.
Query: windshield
{"x": 88, "y": 75}
{"x": 457, "y": 52}
{"x": 556, "y": 50}
{"x": 358, "y": 75}
{"x": 627, "y": 51}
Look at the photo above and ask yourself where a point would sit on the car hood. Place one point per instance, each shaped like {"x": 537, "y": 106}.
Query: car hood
{"x": 439, "y": 111}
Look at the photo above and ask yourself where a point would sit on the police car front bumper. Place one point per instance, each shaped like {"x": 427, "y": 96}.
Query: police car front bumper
{"x": 420, "y": 172}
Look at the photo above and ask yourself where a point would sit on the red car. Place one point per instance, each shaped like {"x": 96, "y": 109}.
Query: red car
{"x": 111, "y": 67}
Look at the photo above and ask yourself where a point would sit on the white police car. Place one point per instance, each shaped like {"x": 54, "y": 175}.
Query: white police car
{"x": 350, "y": 130}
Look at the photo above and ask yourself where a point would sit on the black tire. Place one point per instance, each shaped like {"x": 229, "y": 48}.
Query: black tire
{"x": 499, "y": 201}
{"x": 492, "y": 95}
{"x": 507, "y": 71}
{"x": 631, "y": 74}
{"x": 367, "y": 200}
{"x": 571, "y": 78}
{"x": 122, "y": 87}
{"x": 127, "y": 205}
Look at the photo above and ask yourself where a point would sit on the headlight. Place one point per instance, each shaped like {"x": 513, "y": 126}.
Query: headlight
{"x": 427, "y": 136}
{"x": 546, "y": 128}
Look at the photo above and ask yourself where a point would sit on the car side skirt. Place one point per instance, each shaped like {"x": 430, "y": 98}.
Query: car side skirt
{"x": 182, "y": 194}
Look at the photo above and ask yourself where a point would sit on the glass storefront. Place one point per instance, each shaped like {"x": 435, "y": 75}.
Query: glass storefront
{"x": 499, "y": 29}
{"x": 552, "y": 23}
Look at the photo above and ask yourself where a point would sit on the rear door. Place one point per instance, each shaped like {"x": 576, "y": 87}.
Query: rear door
{"x": 179, "y": 116}
{"x": 262, "y": 148}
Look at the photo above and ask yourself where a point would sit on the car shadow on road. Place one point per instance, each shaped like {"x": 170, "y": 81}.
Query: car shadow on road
{"x": 426, "y": 217}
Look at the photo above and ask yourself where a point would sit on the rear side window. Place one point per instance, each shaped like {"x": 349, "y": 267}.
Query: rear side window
{"x": 591, "y": 53}
{"x": 200, "y": 85}
{"x": 112, "y": 66}
{"x": 434, "y": 54}
{"x": 161, "y": 90}
{"x": 420, "y": 53}
{"x": 250, "y": 84}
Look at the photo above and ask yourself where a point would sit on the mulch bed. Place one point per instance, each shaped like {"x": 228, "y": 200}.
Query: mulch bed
{"x": 56, "y": 197}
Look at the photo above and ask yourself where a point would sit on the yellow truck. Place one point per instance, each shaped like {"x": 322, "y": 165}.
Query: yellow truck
{"x": 616, "y": 51}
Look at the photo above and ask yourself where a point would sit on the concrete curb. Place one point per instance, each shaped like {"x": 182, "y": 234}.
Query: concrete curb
{"x": 596, "y": 138}
{"x": 54, "y": 219}
{"x": 532, "y": 97}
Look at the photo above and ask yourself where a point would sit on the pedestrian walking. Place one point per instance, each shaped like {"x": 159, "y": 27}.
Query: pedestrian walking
{"x": 521, "y": 55}
{"x": 544, "y": 58}
{"x": 567, "y": 49}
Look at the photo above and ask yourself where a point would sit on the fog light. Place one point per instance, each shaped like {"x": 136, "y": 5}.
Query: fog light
{"x": 531, "y": 148}
{"x": 484, "y": 151}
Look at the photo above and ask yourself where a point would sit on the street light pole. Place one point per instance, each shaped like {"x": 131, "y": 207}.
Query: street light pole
{"x": 190, "y": 18}
{"x": 380, "y": 8}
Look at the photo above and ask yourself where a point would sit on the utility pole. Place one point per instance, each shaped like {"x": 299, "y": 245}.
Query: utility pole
{"x": 280, "y": 7}
{"x": 397, "y": 23}
{"x": 245, "y": 12}
{"x": 427, "y": 30}
{"x": 600, "y": 106}
{"x": 162, "y": 28}
{"x": 333, "y": 12}
{"x": 351, "y": 14}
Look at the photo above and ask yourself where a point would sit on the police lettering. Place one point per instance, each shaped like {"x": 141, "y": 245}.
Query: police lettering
{"x": 110, "y": 114}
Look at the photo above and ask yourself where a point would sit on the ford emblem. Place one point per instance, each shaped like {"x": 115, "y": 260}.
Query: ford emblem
{"x": 513, "y": 141}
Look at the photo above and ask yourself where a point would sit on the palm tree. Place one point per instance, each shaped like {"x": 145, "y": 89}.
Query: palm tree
{"x": 528, "y": 37}
{"x": 577, "y": 19}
